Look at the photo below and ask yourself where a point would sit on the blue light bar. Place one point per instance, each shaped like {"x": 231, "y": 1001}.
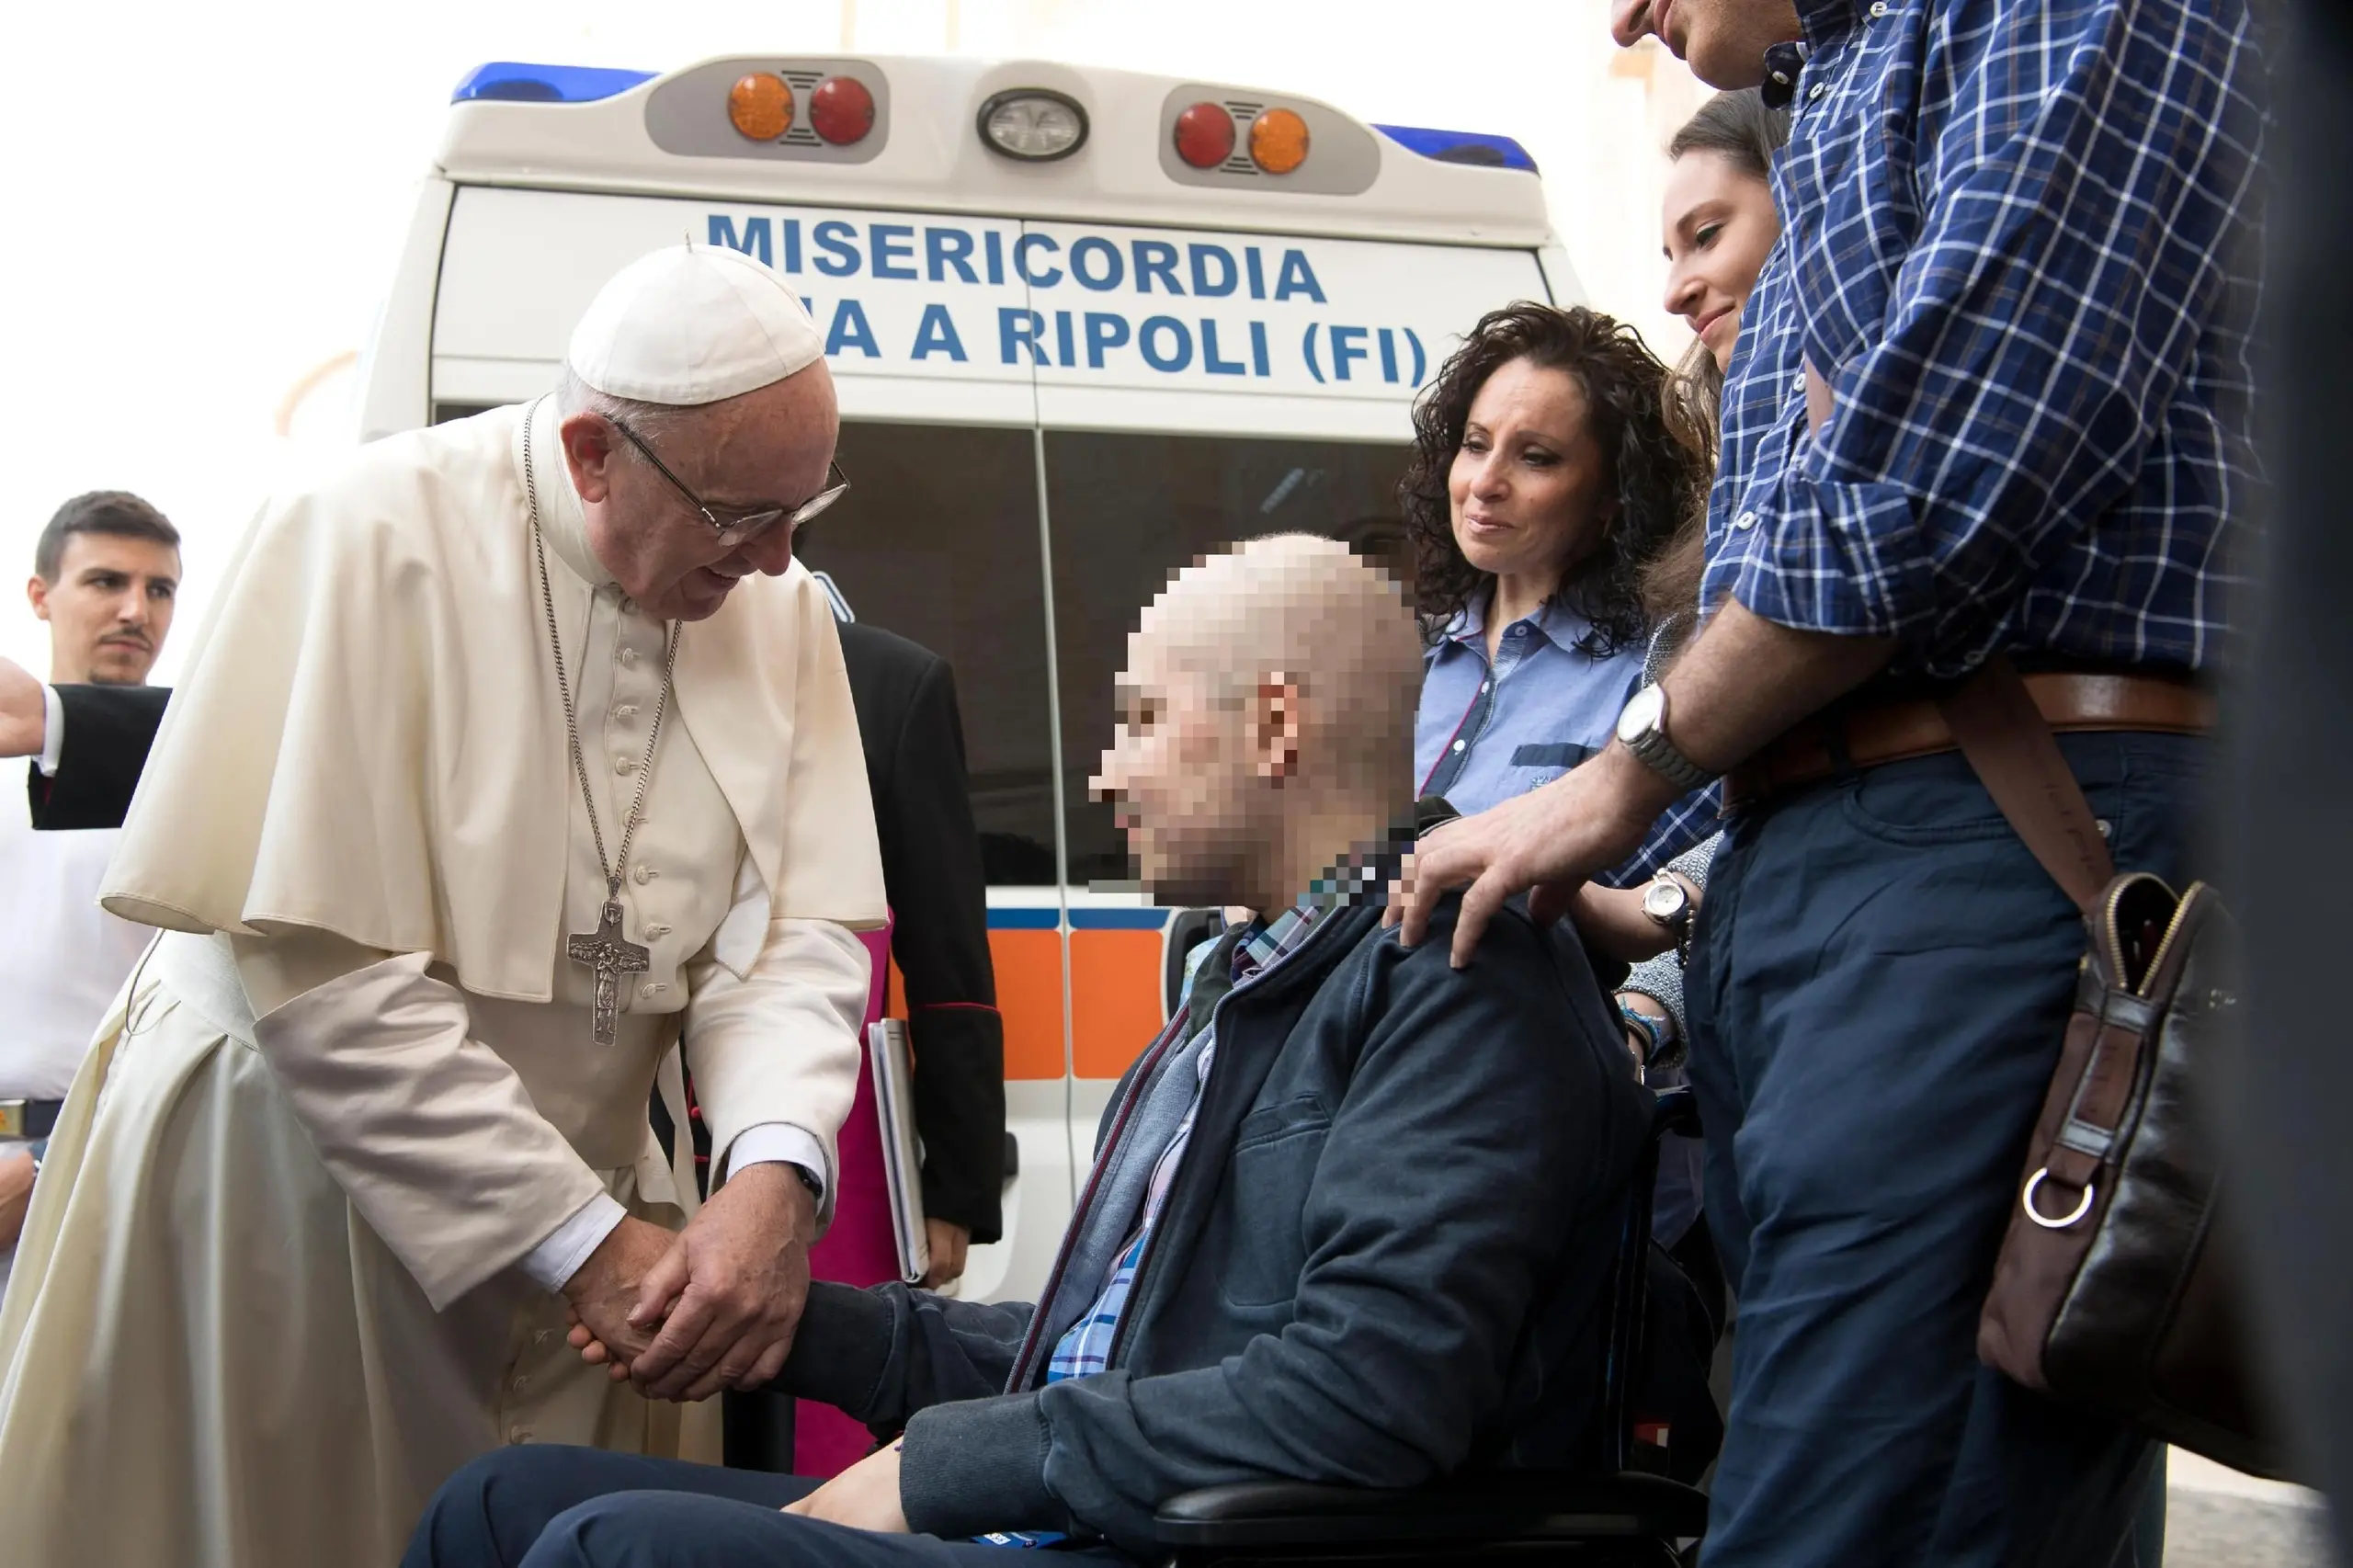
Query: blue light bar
{"x": 1474, "y": 147}
{"x": 517, "y": 81}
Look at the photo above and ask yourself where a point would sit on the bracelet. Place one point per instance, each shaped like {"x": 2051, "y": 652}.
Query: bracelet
{"x": 1645, "y": 1025}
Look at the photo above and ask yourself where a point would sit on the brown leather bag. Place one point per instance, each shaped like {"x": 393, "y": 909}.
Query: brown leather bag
{"x": 2115, "y": 1288}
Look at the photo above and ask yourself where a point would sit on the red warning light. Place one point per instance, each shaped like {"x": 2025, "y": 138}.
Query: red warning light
{"x": 841, "y": 111}
{"x": 1205, "y": 136}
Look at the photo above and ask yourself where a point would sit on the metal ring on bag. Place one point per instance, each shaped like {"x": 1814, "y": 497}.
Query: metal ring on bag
{"x": 2083, "y": 1204}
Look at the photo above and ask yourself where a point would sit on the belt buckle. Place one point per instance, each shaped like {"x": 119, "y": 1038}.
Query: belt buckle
{"x": 12, "y": 1118}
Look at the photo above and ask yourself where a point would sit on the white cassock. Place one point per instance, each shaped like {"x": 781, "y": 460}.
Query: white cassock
{"x": 278, "y": 1278}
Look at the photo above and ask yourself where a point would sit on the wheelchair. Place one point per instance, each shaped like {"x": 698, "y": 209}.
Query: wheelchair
{"x": 1623, "y": 1514}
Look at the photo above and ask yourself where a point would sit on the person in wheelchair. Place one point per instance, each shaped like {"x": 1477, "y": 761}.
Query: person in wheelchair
{"x": 1352, "y": 1216}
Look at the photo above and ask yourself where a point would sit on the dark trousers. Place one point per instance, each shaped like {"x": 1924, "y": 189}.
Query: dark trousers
{"x": 559, "y": 1507}
{"x": 1883, "y": 976}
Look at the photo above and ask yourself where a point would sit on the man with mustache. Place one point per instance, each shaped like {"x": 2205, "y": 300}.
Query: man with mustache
{"x": 1989, "y": 406}
{"x": 106, "y": 573}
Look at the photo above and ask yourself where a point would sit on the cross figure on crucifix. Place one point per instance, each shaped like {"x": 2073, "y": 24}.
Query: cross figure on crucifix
{"x": 610, "y": 955}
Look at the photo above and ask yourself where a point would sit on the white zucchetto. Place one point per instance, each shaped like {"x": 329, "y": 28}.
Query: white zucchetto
{"x": 691, "y": 325}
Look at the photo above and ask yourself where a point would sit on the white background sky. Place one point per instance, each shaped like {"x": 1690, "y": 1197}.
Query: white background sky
{"x": 205, "y": 201}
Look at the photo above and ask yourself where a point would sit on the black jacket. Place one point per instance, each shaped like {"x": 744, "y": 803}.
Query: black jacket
{"x": 108, "y": 730}
{"x": 1386, "y": 1259}
{"x": 914, "y": 739}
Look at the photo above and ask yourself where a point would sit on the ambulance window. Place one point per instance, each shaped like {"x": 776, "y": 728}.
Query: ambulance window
{"x": 938, "y": 542}
{"x": 1129, "y": 509}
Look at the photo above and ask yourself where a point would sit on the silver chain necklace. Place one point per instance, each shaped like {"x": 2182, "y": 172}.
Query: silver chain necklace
{"x": 605, "y": 952}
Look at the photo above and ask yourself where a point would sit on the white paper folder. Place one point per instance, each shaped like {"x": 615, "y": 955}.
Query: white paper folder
{"x": 890, "y": 1060}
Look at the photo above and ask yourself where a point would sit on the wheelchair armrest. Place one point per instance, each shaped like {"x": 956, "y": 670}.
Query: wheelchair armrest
{"x": 1496, "y": 1505}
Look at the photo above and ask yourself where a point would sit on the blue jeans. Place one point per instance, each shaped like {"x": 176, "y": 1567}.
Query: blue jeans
{"x": 1882, "y": 977}
{"x": 560, "y": 1507}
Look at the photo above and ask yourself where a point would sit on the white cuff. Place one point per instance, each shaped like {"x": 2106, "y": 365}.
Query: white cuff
{"x": 779, "y": 1143}
{"x": 53, "y": 735}
{"x": 554, "y": 1261}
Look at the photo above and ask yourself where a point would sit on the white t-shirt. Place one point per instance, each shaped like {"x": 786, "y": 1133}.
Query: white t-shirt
{"x": 62, "y": 957}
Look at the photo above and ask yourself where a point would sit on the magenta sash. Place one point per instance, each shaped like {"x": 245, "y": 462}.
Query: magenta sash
{"x": 858, "y": 1248}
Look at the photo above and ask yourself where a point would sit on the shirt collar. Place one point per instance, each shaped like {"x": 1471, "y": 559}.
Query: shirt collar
{"x": 1470, "y": 623}
{"x": 1361, "y": 874}
{"x": 1825, "y": 21}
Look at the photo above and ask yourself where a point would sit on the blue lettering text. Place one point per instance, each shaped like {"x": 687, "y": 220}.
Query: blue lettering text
{"x": 837, "y": 242}
{"x": 945, "y": 248}
{"x": 1348, "y": 347}
{"x": 1113, "y": 268}
{"x": 1209, "y": 362}
{"x": 1022, "y": 249}
{"x": 851, "y": 330}
{"x": 756, "y": 239}
{"x": 1298, "y": 277}
{"x": 1015, "y": 330}
{"x": 1156, "y": 258}
{"x": 1104, "y": 333}
{"x": 1202, "y": 256}
{"x": 893, "y": 250}
{"x": 1171, "y": 359}
{"x": 937, "y": 335}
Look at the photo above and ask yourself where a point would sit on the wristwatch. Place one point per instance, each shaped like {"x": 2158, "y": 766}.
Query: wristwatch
{"x": 1669, "y": 902}
{"x": 1641, "y": 726}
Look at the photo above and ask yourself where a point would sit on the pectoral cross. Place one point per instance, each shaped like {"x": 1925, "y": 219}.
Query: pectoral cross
{"x": 610, "y": 955}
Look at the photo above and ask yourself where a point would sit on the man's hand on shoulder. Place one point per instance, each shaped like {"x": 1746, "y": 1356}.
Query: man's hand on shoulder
{"x": 606, "y": 1289}
{"x": 739, "y": 1277}
{"x": 24, "y": 712}
{"x": 1545, "y": 842}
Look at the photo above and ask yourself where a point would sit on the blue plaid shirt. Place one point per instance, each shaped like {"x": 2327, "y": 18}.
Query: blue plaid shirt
{"x": 2020, "y": 243}
{"x": 1085, "y": 1347}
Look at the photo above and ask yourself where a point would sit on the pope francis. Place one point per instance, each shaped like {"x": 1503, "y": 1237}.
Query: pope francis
{"x": 512, "y": 755}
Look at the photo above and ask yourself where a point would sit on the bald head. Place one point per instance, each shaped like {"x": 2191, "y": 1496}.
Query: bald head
{"x": 1268, "y": 697}
{"x": 1301, "y": 611}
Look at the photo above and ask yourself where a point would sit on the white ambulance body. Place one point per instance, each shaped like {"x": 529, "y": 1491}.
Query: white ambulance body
{"x": 1082, "y": 331}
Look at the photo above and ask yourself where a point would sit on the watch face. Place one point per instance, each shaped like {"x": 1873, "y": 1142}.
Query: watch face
{"x": 1641, "y": 714}
{"x": 1664, "y": 901}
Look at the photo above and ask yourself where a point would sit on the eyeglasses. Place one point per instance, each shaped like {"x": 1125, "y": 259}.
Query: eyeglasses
{"x": 742, "y": 528}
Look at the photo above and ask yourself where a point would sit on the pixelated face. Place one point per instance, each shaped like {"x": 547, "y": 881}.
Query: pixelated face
{"x": 1180, "y": 776}
{"x": 1531, "y": 485}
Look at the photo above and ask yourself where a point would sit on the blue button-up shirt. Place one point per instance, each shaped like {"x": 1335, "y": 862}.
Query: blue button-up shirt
{"x": 2018, "y": 242}
{"x": 1486, "y": 734}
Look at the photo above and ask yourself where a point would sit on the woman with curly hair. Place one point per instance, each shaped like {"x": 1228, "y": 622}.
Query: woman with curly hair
{"x": 1545, "y": 477}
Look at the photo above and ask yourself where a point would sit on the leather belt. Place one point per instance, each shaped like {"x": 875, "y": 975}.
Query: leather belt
{"x": 29, "y": 1118}
{"x": 1871, "y": 733}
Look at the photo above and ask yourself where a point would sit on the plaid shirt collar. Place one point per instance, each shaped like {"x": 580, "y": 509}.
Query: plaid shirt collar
{"x": 1827, "y": 20}
{"x": 1360, "y": 874}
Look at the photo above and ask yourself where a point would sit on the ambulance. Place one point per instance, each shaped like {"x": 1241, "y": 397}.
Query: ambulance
{"x": 1086, "y": 326}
